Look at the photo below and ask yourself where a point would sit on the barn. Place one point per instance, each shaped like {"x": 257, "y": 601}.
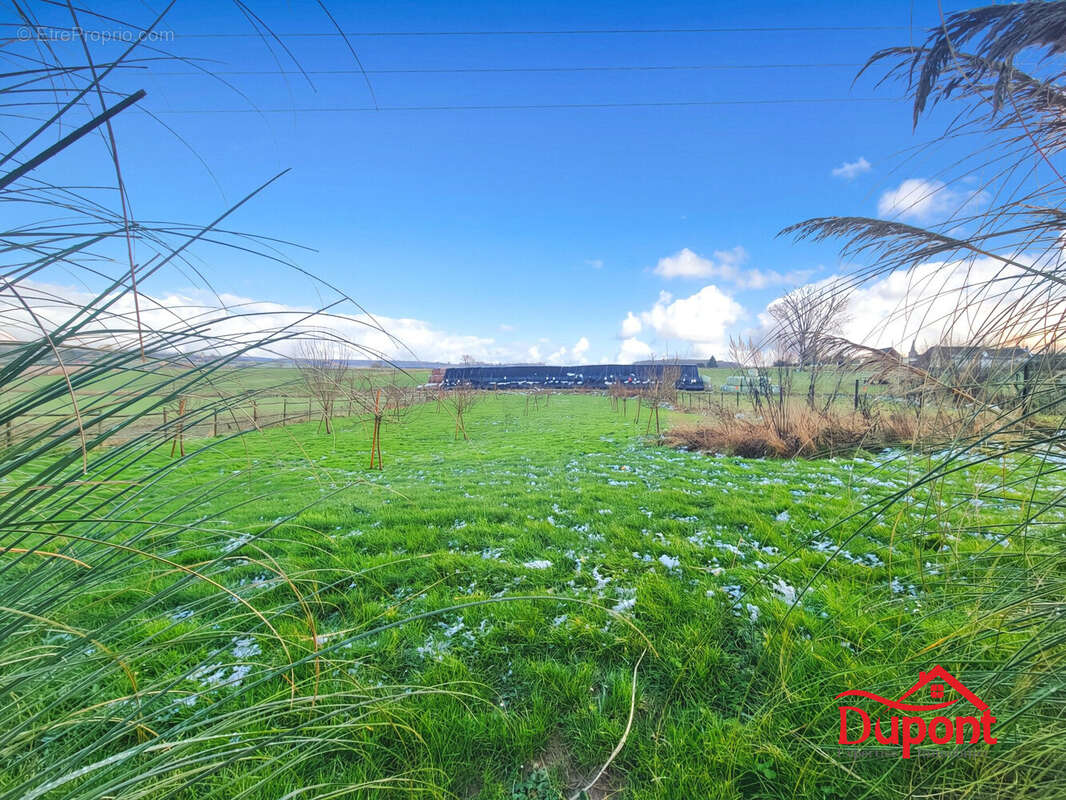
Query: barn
{"x": 589, "y": 376}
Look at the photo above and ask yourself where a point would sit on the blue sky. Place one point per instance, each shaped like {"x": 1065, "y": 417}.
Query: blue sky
{"x": 512, "y": 233}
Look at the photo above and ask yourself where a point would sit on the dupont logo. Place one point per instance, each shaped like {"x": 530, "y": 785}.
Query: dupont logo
{"x": 906, "y": 731}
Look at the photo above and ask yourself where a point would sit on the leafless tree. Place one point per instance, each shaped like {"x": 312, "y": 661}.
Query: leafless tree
{"x": 458, "y": 401}
{"x": 661, "y": 388}
{"x": 805, "y": 320}
{"x": 381, "y": 403}
{"x": 323, "y": 365}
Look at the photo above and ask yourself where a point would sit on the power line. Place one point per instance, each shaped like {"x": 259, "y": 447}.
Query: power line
{"x": 531, "y": 106}
{"x": 549, "y": 32}
{"x": 565, "y": 32}
{"x": 478, "y": 70}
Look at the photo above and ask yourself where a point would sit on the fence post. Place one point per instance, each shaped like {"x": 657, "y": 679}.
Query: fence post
{"x": 255, "y": 414}
{"x": 214, "y": 424}
{"x": 1027, "y": 389}
{"x": 284, "y": 411}
{"x": 856, "y": 394}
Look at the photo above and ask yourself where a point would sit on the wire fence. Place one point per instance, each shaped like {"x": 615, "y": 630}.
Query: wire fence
{"x": 202, "y": 418}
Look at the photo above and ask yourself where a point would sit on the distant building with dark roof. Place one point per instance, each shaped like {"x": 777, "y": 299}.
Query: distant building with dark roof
{"x": 588, "y": 376}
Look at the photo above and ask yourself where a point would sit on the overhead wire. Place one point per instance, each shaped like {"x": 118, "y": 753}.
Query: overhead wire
{"x": 535, "y": 106}
{"x": 479, "y": 70}
{"x": 525, "y": 32}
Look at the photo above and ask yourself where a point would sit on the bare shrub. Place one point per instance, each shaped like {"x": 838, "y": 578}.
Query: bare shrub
{"x": 804, "y": 433}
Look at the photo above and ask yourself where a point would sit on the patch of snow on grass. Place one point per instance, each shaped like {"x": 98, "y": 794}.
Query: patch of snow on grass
{"x": 669, "y": 562}
{"x": 786, "y": 592}
{"x": 245, "y": 647}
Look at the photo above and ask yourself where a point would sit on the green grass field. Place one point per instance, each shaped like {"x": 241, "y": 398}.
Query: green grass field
{"x": 230, "y": 399}
{"x": 759, "y": 590}
{"x": 267, "y": 383}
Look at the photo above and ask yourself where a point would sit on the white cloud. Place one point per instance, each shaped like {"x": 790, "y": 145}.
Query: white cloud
{"x": 687, "y": 264}
{"x": 697, "y": 318}
{"x": 761, "y": 279}
{"x": 506, "y": 328}
{"x": 850, "y": 170}
{"x": 726, "y": 265}
{"x": 939, "y": 302}
{"x": 700, "y": 321}
{"x": 595, "y": 263}
{"x": 240, "y": 321}
{"x": 633, "y": 349}
{"x": 923, "y": 201}
{"x": 631, "y": 325}
{"x": 932, "y": 303}
{"x": 575, "y": 354}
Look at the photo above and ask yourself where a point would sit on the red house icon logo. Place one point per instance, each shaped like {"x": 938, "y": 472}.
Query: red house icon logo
{"x": 911, "y": 730}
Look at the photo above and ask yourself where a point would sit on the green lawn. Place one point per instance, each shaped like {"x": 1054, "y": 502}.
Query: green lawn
{"x": 694, "y": 558}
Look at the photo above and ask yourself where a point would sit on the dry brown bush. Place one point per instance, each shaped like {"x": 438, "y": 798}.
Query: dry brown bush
{"x": 810, "y": 434}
